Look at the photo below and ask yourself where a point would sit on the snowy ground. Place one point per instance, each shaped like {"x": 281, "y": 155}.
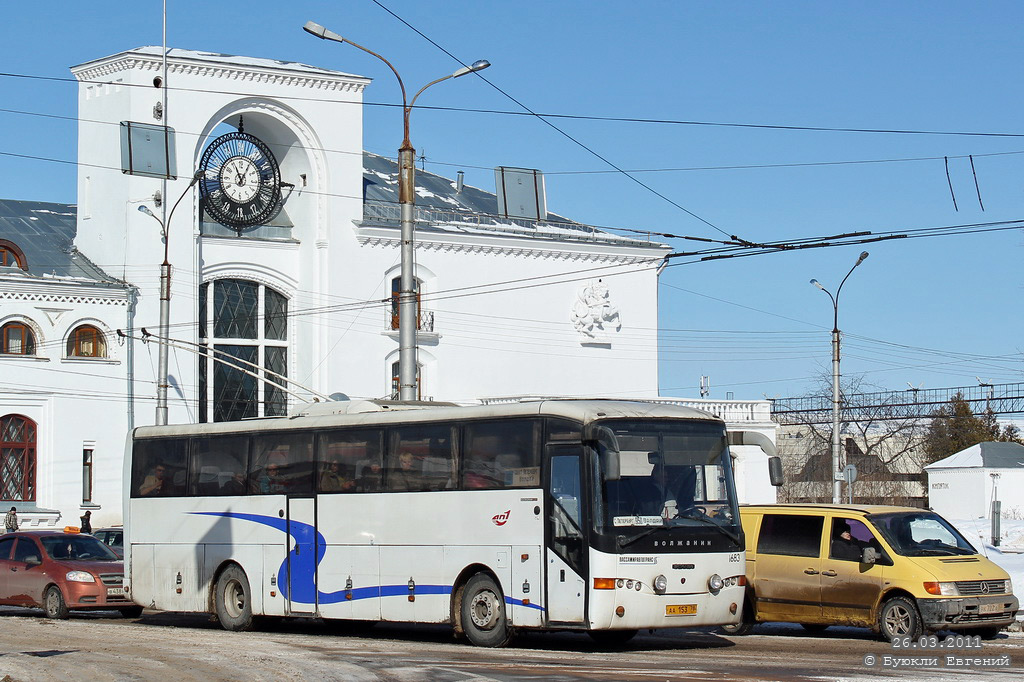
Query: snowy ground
{"x": 1010, "y": 552}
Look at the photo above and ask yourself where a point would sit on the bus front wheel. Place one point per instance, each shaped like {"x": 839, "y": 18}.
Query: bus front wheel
{"x": 233, "y": 600}
{"x": 482, "y": 612}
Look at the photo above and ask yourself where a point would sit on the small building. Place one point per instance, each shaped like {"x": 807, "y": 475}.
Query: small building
{"x": 961, "y": 486}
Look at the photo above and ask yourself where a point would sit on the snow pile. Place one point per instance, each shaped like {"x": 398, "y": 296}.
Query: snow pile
{"x": 1010, "y": 553}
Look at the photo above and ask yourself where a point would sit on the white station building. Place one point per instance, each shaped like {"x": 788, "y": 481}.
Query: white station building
{"x": 292, "y": 267}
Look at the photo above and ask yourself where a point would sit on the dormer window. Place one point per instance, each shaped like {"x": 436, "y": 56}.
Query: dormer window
{"x": 12, "y": 256}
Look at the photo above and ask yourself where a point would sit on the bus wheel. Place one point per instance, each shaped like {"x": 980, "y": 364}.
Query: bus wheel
{"x": 483, "y": 612}
{"x": 131, "y": 611}
{"x": 611, "y": 637}
{"x": 54, "y": 604}
{"x": 899, "y": 618}
{"x": 232, "y": 600}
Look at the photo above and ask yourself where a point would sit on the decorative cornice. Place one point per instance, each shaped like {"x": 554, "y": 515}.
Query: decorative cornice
{"x": 210, "y": 67}
{"x": 533, "y": 251}
{"x": 71, "y": 299}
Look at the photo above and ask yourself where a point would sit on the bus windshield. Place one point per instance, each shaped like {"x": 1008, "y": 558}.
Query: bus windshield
{"x": 671, "y": 474}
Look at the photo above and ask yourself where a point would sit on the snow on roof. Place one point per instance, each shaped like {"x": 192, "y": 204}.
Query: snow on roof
{"x": 988, "y": 455}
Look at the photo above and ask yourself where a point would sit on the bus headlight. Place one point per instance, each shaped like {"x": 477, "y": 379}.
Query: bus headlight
{"x": 80, "y": 577}
{"x": 660, "y": 584}
{"x": 715, "y": 583}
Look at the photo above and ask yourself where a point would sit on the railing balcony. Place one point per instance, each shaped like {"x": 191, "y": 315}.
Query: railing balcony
{"x": 424, "y": 321}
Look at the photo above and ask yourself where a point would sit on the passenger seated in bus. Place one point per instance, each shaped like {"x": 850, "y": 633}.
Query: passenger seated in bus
{"x": 332, "y": 481}
{"x": 156, "y": 483}
{"x": 369, "y": 478}
{"x": 405, "y": 477}
{"x": 272, "y": 481}
{"x": 234, "y": 485}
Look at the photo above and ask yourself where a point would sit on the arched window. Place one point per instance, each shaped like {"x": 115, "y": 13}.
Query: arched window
{"x": 246, "y": 324}
{"x": 17, "y": 339}
{"x": 87, "y": 342}
{"x": 396, "y": 291}
{"x": 17, "y": 458}
{"x": 396, "y": 383}
{"x": 11, "y": 255}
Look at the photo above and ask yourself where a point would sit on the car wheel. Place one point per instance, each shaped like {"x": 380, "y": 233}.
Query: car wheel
{"x": 481, "y": 607}
{"x": 612, "y": 638}
{"x": 54, "y": 604}
{"x": 899, "y": 618}
{"x": 233, "y": 600}
{"x": 131, "y": 611}
{"x": 814, "y": 628}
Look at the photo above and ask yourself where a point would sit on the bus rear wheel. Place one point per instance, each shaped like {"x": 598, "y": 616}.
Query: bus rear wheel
{"x": 482, "y": 612}
{"x": 233, "y": 601}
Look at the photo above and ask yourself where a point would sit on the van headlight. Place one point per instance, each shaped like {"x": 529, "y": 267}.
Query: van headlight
{"x": 943, "y": 589}
{"x": 1009, "y": 586}
{"x": 79, "y": 577}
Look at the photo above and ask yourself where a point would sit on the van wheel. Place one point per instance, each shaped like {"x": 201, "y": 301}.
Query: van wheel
{"x": 611, "y": 638}
{"x": 482, "y": 612}
{"x": 814, "y": 628}
{"x": 899, "y": 618}
{"x": 233, "y": 600}
{"x": 54, "y": 604}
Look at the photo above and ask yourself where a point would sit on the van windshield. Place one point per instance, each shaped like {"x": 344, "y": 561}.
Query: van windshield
{"x": 921, "y": 533}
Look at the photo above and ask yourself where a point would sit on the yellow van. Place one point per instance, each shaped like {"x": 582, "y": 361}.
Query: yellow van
{"x": 897, "y": 570}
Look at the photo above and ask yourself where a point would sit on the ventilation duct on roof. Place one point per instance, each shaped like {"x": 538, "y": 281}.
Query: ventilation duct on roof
{"x": 520, "y": 193}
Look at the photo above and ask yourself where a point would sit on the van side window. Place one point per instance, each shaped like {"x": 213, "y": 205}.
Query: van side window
{"x": 790, "y": 535}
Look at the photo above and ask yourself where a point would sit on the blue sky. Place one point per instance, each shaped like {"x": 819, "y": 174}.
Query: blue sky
{"x": 939, "y": 311}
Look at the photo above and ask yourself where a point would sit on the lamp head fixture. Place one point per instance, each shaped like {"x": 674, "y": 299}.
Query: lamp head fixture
{"x": 145, "y": 209}
{"x": 817, "y": 284}
{"x": 863, "y": 255}
{"x": 319, "y": 31}
{"x": 478, "y": 65}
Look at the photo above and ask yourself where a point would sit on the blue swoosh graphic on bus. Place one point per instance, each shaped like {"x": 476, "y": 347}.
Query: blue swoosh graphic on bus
{"x": 302, "y": 586}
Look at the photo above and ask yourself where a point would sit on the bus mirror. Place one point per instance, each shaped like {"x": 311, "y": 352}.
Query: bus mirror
{"x": 609, "y": 463}
{"x": 775, "y": 471}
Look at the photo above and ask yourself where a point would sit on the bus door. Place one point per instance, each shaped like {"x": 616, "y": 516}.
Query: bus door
{"x": 301, "y": 550}
{"x": 566, "y": 549}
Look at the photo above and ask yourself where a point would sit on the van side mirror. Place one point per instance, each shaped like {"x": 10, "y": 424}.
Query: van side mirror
{"x": 869, "y": 555}
{"x": 775, "y": 474}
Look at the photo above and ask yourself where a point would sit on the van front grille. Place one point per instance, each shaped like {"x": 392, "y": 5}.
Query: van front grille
{"x": 980, "y": 587}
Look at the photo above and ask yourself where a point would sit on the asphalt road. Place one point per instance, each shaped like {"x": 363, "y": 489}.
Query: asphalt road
{"x": 99, "y": 647}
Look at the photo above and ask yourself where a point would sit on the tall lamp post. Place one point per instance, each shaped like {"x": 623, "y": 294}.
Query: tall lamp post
{"x": 407, "y": 322}
{"x": 837, "y": 465}
{"x": 165, "y": 304}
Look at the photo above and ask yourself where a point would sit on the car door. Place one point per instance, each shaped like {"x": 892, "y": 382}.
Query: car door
{"x": 6, "y": 547}
{"x": 788, "y": 585}
{"x": 850, "y": 588}
{"x": 27, "y": 577}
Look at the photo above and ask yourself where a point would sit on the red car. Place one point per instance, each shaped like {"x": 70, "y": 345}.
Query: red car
{"x": 60, "y": 571}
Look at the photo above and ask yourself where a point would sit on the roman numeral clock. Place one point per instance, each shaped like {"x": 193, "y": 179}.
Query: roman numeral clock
{"x": 241, "y": 182}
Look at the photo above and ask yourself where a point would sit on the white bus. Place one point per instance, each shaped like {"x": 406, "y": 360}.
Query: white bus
{"x": 600, "y": 516}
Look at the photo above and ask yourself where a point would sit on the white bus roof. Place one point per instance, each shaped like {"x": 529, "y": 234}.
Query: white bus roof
{"x": 373, "y": 413}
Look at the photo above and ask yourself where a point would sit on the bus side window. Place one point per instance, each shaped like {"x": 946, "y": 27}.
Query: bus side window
{"x": 158, "y": 467}
{"x": 420, "y": 457}
{"x": 501, "y": 454}
{"x": 218, "y": 466}
{"x": 349, "y": 461}
{"x": 282, "y": 463}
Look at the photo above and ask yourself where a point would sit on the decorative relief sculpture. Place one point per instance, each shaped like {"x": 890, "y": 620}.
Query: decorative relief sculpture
{"x": 593, "y": 314}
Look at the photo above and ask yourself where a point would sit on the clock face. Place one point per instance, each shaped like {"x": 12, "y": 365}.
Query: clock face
{"x": 241, "y": 183}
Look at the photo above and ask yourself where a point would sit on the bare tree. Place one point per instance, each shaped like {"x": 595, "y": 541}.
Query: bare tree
{"x": 884, "y": 445}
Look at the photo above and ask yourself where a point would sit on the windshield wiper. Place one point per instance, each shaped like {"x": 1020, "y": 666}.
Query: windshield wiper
{"x": 622, "y": 541}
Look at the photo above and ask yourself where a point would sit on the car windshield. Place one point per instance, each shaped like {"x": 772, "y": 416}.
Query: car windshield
{"x": 671, "y": 473}
{"x": 77, "y": 548}
{"x": 921, "y": 534}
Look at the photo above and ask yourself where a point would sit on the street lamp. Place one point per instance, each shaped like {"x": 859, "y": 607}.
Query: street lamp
{"x": 407, "y": 199}
{"x": 837, "y": 466}
{"x": 165, "y": 305}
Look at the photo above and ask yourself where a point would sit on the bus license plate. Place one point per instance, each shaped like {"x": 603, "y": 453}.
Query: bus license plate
{"x": 990, "y": 608}
{"x": 681, "y": 610}
{"x": 115, "y": 591}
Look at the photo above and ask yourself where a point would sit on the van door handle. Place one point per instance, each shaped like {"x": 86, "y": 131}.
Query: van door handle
{"x": 810, "y": 571}
{"x": 830, "y": 573}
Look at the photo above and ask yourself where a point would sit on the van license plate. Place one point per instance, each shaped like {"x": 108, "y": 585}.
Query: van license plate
{"x": 115, "y": 591}
{"x": 990, "y": 608}
{"x": 681, "y": 610}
